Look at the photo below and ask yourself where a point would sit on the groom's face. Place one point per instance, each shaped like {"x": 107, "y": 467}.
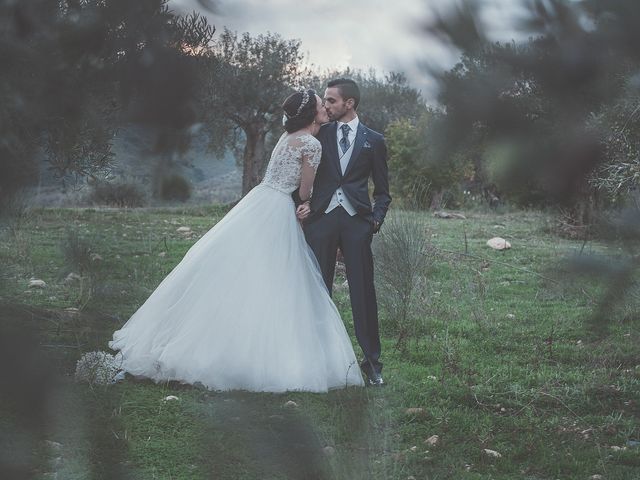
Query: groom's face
{"x": 335, "y": 105}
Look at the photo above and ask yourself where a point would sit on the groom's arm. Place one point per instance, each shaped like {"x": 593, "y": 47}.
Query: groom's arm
{"x": 380, "y": 174}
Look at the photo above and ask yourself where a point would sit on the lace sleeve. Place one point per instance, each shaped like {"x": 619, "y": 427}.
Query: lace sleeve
{"x": 311, "y": 154}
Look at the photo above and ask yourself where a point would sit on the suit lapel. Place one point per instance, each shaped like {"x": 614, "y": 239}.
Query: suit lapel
{"x": 332, "y": 147}
{"x": 361, "y": 137}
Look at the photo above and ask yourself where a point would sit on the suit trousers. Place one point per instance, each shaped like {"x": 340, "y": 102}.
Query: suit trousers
{"x": 353, "y": 235}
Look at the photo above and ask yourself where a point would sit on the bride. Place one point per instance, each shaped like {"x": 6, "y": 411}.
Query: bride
{"x": 247, "y": 307}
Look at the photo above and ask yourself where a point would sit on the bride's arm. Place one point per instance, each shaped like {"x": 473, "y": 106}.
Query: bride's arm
{"x": 306, "y": 180}
{"x": 310, "y": 162}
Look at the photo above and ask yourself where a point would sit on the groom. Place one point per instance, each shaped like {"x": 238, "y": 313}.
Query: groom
{"x": 341, "y": 214}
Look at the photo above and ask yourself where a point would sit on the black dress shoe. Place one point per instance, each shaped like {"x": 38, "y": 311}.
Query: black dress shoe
{"x": 372, "y": 378}
{"x": 376, "y": 380}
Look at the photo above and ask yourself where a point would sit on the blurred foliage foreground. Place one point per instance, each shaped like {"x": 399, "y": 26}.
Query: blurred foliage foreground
{"x": 491, "y": 354}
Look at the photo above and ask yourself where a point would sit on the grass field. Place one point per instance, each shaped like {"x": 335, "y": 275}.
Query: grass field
{"x": 502, "y": 356}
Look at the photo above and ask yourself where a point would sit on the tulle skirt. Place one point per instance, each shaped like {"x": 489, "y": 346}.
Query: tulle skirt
{"x": 245, "y": 309}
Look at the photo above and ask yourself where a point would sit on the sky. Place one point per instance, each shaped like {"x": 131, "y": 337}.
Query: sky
{"x": 384, "y": 34}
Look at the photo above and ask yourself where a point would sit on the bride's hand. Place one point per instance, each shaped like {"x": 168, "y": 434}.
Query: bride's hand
{"x": 303, "y": 211}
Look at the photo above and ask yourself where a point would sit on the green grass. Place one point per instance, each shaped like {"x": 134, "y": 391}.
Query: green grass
{"x": 503, "y": 359}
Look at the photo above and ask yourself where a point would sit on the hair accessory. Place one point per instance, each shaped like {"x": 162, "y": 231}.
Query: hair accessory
{"x": 305, "y": 100}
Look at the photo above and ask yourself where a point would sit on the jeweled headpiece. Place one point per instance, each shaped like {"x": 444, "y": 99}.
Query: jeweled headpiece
{"x": 305, "y": 100}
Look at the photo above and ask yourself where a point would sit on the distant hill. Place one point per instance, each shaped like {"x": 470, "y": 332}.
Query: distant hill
{"x": 212, "y": 179}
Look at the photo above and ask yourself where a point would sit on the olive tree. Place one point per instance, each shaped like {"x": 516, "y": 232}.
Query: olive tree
{"x": 245, "y": 82}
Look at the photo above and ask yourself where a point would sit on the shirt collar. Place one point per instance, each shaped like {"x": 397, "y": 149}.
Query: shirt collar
{"x": 353, "y": 124}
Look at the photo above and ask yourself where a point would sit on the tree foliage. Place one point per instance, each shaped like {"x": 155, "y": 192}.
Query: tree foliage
{"x": 618, "y": 124}
{"x": 417, "y": 177}
{"x": 74, "y": 70}
{"x": 539, "y": 103}
{"x": 246, "y": 79}
{"x": 385, "y": 98}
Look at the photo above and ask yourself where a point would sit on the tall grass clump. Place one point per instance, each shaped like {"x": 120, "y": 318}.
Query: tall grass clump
{"x": 404, "y": 256}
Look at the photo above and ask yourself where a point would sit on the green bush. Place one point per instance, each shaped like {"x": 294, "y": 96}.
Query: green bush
{"x": 175, "y": 187}
{"x": 419, "y": 177}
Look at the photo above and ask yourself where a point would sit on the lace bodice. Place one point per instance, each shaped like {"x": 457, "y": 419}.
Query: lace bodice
{"x": 285, "y": 166}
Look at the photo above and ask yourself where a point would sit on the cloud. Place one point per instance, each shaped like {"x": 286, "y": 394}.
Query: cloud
{"x": 361, "y": 34}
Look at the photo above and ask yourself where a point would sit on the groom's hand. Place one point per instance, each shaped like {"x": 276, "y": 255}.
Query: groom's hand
{"x": 376, "y": 226}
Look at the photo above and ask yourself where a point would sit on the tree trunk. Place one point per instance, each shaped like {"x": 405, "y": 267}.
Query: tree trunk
{"x": 254, "y": 157}
{"x": 436, "y": 200}
{"x": 580, "y": 218}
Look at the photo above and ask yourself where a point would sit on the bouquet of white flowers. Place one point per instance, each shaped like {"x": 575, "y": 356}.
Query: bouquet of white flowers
{"x": 99, "y": 368}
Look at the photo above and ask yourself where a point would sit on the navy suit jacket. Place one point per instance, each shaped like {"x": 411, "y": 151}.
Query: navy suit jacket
{"x": 368, "y": 159}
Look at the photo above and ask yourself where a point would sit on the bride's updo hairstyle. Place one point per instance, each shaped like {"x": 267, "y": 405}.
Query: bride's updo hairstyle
{"x": 299, "y": 110}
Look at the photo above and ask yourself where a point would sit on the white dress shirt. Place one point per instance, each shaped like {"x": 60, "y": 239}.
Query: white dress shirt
{"x": 339, "y": 199}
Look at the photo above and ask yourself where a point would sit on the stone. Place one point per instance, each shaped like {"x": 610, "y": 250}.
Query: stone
{"x": 170, "y": 398}
{"x": 492, "y": 453}
{"x": 449, "y": 215}
{"x": 37, "y": 283}
{"x": 72, "y": 277}
{"x": 95, "y": 257}
{"x": 498, "y": 243}
{"x": 511, "y": 316}
{"x": 432, "y": 440}
{"x": 183, "y": 230}
{"x": 414, "y": 411}
{"x": 290, "y": 404}
{"x": 329, "y": 451}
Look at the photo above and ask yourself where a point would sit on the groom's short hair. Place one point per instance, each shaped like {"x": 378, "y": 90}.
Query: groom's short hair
{"x": 347, "y": 88}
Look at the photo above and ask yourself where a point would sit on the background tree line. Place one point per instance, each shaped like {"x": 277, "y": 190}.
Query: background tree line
{"x": 76, "y": 71}
{"x": 553, "y": 120}
{"x": 73, "y": 71}
{"x": 548, "y": 121}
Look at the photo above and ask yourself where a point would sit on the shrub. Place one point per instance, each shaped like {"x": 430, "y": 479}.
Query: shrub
{"x": 77, "y": 252}
{"x": 419, "y": 176}
{"x": 175, "y": 187}
{"x": 117, "y": 195}
{"x": 404, "y": 255}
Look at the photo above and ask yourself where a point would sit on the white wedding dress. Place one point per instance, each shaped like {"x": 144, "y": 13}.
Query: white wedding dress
{"x": 247, "y": 308}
